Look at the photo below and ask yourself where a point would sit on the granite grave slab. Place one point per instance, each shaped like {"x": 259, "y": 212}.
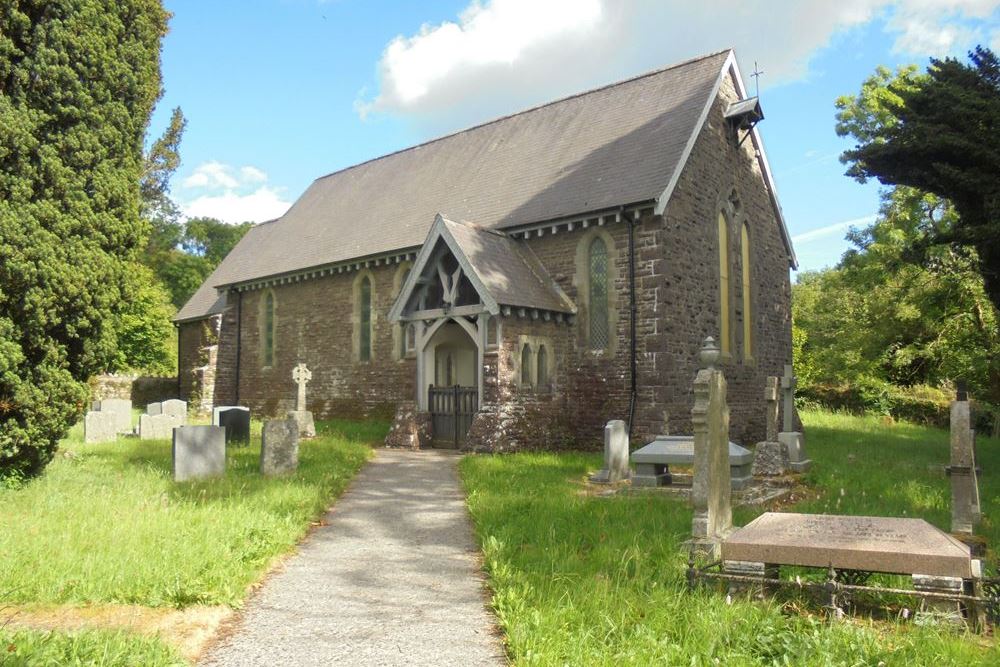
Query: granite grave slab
{"x": 158, "y": 427}
{"x": 100, "y": 427}
{"x": 652, "y": 462}
{"x": 236, "y": 421}
{"x": 121, "y": 408}
{"x": 615, "y": 454}
{"x": 199, "y": 452}
{"x": 279, "y": 447}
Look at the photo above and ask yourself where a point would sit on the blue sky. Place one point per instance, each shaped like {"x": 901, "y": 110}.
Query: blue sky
{"x": 280, "y": 92}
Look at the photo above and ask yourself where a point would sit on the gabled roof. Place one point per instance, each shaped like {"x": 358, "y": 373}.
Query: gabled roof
{"x": 503, "y": 270}
{"x": 622, "y": 144}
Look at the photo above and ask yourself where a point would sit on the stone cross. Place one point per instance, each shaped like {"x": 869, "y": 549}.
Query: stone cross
{"x": 965, "y": 511}
{"x": 711, "y": 492}
{"x": 788, "y": 382}
{"x": 301, "y": 375}
{"x": 771, "y": 397}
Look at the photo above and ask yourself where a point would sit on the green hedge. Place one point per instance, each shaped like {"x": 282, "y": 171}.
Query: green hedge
{"x": 919, "y": 404}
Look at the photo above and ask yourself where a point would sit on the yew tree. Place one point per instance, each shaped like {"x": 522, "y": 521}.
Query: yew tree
{"x": 78, "y": 82}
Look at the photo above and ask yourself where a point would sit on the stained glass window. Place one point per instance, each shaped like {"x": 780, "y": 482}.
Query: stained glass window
{"x": 543, "y": 366}
{"x": 526, "y": 364}
{"x": 598, "y": 255}
{"x": 365, "y": 319}
{"x": 747, "y": 305}
{"x": 269, "y": 329}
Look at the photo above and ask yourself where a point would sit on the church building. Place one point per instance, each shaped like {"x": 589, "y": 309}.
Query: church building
{"x": 519, "y": 283}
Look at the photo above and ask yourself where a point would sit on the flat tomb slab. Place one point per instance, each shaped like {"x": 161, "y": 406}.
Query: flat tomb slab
{"x": 873, "y": 544}
{"x": 679, "y": 450}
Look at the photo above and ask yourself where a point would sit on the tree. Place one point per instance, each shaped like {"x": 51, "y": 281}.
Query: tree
{"x": 78, "y": 81}
{"x": 939, "y": 133}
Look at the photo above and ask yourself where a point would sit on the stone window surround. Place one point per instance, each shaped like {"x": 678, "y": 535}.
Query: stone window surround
{"x": 581, "y": 280}
{"x": 730, "y": 206}
{"x": 356, "y": 317}
{"x": 262, "y": 324}
{"x": 534, "y": 343}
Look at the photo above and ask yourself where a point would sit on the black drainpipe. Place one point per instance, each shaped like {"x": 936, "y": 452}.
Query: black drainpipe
{"x": 177, "y": 328}
{"x": 630, "y": 225}
{"x": 239, "y": 341}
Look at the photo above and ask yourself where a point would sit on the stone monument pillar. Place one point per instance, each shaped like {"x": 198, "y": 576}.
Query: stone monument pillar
{"x": 792, "y": 440}
{"x": 770, "y": 456}
{"x": 307, "y": 428}
{"x": 711, "y": 493}
{"x": 965, "y": 512}
{"x": 615, "y": 454}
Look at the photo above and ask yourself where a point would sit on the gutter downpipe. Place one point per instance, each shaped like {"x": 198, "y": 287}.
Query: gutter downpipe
{"x": 177, "y": 330}
{"x": 239, "y": 342}
{"x": 632, "y": 313}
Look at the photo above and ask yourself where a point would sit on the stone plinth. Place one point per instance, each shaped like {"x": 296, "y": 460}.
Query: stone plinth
{"x": 236, "y": 420}
{"x": 100, "y": 427}
{"x": 279, "y": 447}
{"x": 795, "y": 451}
{"x": 304, "y": 418}
{"x": 872, "y": 544}
{"x": 615, "y": 454}
{"x": 965, "y": 511}
{"x": 121, "y": 408}
{"x": 158, "y": 427}
{"x": 199, "y": 452}
{"x": 652, "y": 462}
{"x": 770, "y": 459}
{"x": 411, "y": 428}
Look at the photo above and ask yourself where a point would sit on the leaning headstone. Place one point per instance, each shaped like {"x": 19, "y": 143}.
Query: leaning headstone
{"x": 615, "y": 454}
{"x": 770, "y": 456}
{"x": 965, "y": 511}
{"x": 121, "y": 408}
{"x": 307, "y": 428}
{"x": 236, "y": 420}
{"x": 176, "y": 408}
{"x": 199, "y": 452}
{"x": 710, "y": 489}
{"x": 154, "y": 409}
{"x": 100, "y": 427}
{"x": 157, "y": 427}
{"x": 791, "y": 439}
{"x": 279, "y": 447}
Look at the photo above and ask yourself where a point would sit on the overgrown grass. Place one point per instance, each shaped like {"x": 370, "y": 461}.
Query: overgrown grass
{"x": 34, "y": 648}
{"x": 106, "y": 523}
{"x": 579, "y": 579}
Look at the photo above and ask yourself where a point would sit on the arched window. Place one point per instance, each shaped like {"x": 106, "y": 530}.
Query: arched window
{"x": 365, "y": 319}
{"x": 409, "y": 338}
{"x": 492, "y": 331}
{"x": 543, "y": 366}
{"x": 747, "y": 302}
{"x": 597, "y": 256}
{"x": 267, "y": 335}
{"x": 723, "y": 284}
{"x": 526, "y": 365}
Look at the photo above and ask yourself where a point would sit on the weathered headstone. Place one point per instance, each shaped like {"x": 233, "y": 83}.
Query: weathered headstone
{"x": 236, "y": 420}
{"x": 710, "y": 489}
{"x": 965, "y": 511}
{"x": 307, "y": 428}
{"x": 157, "y": 427}
{"x": 176, "y": 408}
{"x": 615, "y": 454}
{"x": 198, "y": 452}
{"x": 154, "y": 409}
{"x": 121, "y": 408}
{"x": 791, "y": 439}
{"x": 100, "y": 427}
{"x": 279, "y": 447}
{"x": 770, "y": 456}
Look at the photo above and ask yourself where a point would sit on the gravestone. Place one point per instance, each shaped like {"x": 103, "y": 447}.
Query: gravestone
{"x": 791, "y": 439}
{"x": 198, "y": 452}
{"x": 236, "y": 420}
{"x": 154, "y": 409}
{"x": 652, "y": 462}
{"x": 965, "y": 511}
{"x": 615, "y": 454}
{"x": 279, "y": 447}
{"x": 121, "y": 408}
{"x": 100, "y": 427}
{"x": 770, "y": 456}
{"x": 157, "y": 427}
{"x": 711, "y": 491}
{"x": 175, "y": 408}
{"x": 307, "y": 428}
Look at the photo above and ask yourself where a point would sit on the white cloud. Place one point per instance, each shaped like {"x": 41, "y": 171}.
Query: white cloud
{"x": 232, "y": 194}
{"x": 500, "y": 55}
{"x": 822, "y": 232}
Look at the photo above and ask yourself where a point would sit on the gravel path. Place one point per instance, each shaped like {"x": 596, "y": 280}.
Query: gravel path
{"x": 391, "y": 580}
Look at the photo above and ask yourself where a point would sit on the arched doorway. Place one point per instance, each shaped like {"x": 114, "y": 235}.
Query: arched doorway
{"x": 452, "y": 357}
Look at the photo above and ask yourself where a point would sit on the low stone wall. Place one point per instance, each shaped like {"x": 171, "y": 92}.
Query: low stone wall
{"x": 139, "y": 389}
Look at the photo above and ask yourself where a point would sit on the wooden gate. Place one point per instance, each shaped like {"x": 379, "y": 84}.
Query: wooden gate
{"x": 452, "y": 410}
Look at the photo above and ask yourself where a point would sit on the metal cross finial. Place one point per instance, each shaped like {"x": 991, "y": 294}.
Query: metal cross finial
{"x": 756, "y": 76}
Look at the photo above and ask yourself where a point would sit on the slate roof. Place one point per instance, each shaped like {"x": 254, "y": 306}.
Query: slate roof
{"x": 612, "y": 146}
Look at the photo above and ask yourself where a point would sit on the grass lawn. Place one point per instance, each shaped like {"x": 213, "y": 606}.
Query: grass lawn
{"x": 32, "y": 648}
{"x": 579, "y": 579}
